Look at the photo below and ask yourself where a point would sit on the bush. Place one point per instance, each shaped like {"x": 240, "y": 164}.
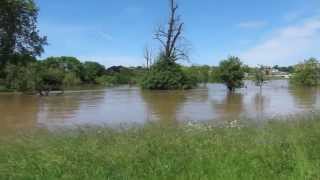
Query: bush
{"x": 71, "y": 79}
{"x": 48, "y": 79}
{"x": 259, "y": 77}
{"x": 21, "y": 78}
{"x": 214, "y": 76}
{"x": 92, "y": 70}
{"x": 200, "y": 73}
{"x": 231, "y": 73}
{"x": 307, "y": 73}
{"x": 33, "y": 77}
{"x": 167, "y": 75}
{"x": 106, "y": 80}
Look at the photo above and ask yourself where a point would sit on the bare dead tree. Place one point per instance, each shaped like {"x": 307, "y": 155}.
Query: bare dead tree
{"x": 170, "y": 36}
{"x": 148, "y": 56}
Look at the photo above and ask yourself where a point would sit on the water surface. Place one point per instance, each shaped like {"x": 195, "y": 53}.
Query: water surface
{"x": 131, "y": 105}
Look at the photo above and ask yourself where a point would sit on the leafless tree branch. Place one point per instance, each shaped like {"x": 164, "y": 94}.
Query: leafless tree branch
{"x": 170, "y": 37}
{"x": 148, "y": 56}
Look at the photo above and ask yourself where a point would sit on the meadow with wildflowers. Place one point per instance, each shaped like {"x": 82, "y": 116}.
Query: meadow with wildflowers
{"x": 278, "y": 149}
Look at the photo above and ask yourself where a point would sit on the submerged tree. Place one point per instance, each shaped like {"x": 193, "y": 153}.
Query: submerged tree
{"x": 260, "y": 76}
{"x": 231, "y": 73}
{"x": 307, "y": 73}
{"x": 166, "y": 73}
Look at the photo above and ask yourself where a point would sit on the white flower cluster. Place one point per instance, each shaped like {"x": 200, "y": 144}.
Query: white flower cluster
{"x": 192, "y": 126}
{"x": 234, "y": 124}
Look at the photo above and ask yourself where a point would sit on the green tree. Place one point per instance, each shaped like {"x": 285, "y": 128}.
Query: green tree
{"x": 48, "y": 78}
{"x": 260, "y": 76}
{"x": 169, "y": 75}
{"x": 231, "y": 73}
{"x": 307, "y": 73}
{"x": 21, "y": 78}
{"x": 18, "y": 30}
{"x": 34, "y": 78}
{"x": 70, "y": 67}
{"x": 91, "y": 71}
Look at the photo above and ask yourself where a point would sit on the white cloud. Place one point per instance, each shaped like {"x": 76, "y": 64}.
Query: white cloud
{"x": 252, "y": 24}
{"x": 287, "y": 45}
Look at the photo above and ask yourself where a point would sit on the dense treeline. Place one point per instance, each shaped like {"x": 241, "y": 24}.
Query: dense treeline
{"x": 27, "y": 74}
{"x": 56, "y": 73}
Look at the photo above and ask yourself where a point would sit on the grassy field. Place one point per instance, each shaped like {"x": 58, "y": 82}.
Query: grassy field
{"x": 276, "y": 150}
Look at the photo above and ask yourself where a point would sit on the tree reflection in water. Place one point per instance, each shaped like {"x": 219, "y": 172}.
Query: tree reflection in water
{"x": 232, "y": 106}
{"x": 305, "y": 97}
{"x": 259, "y": 104}
{"x": 164, "y": 105}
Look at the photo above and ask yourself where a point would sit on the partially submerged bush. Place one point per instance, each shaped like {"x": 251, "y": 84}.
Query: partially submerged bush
{"x": 307, "y": 73}
{"x": 167, "y": 75}
{"x": 259, "y": 77}
{"x": 34, "y": 77}
{"x": 231, "y": 72}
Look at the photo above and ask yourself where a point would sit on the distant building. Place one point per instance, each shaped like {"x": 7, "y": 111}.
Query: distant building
{"x": 269, "y": 71}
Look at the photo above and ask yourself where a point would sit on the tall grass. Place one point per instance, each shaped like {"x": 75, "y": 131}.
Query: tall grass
{"x": 276, "y": 150}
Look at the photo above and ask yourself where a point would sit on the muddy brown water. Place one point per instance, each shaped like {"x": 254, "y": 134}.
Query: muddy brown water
{"x": 130, "y": 105}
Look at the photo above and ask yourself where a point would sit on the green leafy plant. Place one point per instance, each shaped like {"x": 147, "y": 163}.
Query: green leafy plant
{"x": 307, "y": 73}
{"x": 260, "y": 76}
{"x": 231, "y": 73}
{"x": 166, "y": 75}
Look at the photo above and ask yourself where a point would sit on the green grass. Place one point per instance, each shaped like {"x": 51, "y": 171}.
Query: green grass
{"x": 275, "y": 150}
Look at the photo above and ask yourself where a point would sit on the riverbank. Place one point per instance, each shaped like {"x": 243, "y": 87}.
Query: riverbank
{"x": 286, "y": 149}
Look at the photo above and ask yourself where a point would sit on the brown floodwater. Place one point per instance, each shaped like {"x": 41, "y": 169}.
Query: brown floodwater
{"x": 130, "y": 105}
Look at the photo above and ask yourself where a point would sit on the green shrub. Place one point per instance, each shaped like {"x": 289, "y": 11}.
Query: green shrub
{"x": 49, "y": 79}
{"x": 71, "y": 79}
{"x": 214, "y": 76}
{"x": 200, "y": 73}
{"x": 259, "y": 77}
{"x": 307, "y": 73}
{"x": 231, "y": 73}
{"x": 167, "y": 75}
{"x": 106, "y": 80}
{"x": 92, "y": 70}
{"x": 21, "y": 78}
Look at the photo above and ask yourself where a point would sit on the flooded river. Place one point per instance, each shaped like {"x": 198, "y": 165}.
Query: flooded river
{"x": 127, "y": 105}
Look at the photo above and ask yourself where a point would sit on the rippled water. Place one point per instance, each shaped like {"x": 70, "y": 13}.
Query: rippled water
{"x": 126, "y": 105}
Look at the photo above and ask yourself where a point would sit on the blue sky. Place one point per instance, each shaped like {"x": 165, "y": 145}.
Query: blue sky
{"x": 115, "y": 32}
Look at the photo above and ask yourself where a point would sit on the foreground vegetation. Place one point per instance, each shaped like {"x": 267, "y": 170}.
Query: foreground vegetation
{"x": 276, "y": 150}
